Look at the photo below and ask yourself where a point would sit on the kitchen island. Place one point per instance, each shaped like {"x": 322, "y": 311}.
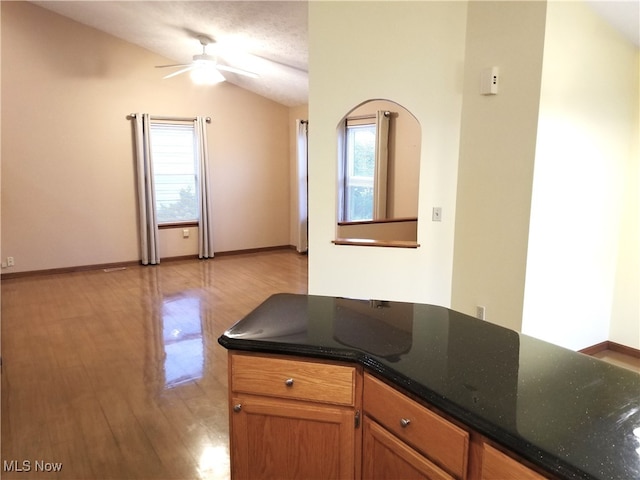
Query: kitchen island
{"x": 480, "y": 392}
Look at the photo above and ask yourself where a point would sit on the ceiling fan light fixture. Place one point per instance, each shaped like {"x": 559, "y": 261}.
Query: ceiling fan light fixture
{"x": 206, "y": 74}
{"x": 205, "y": 69}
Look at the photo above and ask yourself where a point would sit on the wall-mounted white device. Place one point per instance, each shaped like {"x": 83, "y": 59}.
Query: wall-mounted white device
{"x": 489, "y": 81}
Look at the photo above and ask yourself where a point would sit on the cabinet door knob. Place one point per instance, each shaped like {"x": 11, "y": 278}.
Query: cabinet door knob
{"x": 237, "y": 407}
{"x": 404, "y": 422}
{"x": 289, "y": 382}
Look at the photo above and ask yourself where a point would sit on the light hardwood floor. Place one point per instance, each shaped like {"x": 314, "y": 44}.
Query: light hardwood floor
{"x": 620, "y": 359}
{"x": 118, "y": 375}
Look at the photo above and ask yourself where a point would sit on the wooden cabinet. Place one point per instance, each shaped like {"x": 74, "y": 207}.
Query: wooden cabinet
{"x": 293, "y": 419}
{"x": 407, "y": 435}
{"x": 496, "y": 465}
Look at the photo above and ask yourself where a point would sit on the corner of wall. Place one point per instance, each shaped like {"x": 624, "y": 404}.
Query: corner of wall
{"x": 497, "y": 151}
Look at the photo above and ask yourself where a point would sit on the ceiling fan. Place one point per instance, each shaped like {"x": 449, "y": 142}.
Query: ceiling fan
{"x": 205, "y": 68}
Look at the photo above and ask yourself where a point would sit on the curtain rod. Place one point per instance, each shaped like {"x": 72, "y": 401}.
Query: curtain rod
{"x": 369, "y": 116}
{"x": 177, "y": 119}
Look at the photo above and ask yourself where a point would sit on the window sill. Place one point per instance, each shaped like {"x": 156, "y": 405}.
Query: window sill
{"x": 376, "y": 222}
{"x": 370, "y": 242}
{"x": 163, "y": 226}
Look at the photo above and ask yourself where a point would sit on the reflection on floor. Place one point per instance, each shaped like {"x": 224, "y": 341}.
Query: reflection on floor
{"x": 183, "y": 339}
{"x": 118, "y": 375}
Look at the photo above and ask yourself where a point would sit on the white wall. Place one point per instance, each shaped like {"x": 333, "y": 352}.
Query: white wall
{"x": 497, "y": 152}
{"x": 580, "y": 259}
{"x": 411, "y": 53}
{"x": 625, "y": 314}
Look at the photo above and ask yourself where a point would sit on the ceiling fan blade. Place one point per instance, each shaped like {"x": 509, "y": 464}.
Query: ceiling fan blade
{"x": 176, "y": 65}
{"x": 190, "y": 67}
{"x": 237, "y": 70}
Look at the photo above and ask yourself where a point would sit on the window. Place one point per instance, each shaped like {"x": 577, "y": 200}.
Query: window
{"x": 175, "y": 172}
{"x": 360, "y": 166}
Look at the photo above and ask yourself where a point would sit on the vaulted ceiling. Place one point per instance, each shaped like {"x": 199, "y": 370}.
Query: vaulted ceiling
{"x": 267, "y": 37}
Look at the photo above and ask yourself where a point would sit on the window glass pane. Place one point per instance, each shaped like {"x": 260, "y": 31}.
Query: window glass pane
{"x": 363, "y": 140}
{"x": 360, "y": 171}
{"x": 360, "y": 203}
{"x": 175, "y": 172}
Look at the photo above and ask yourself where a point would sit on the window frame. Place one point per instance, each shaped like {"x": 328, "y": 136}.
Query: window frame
{"x": 186, "y": 125}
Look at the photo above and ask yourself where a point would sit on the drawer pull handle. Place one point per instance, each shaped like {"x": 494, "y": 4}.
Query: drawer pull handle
{"x": 289, "y": 382}
{"x": 237, "y": 407}
{"x": 404, "y": 422}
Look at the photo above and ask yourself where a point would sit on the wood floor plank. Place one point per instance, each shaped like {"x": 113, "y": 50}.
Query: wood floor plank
{"x": 118, "y": 376}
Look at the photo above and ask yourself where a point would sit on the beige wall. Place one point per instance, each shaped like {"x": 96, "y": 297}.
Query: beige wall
{"x": 582, "y": 267}
{"x": 411, "y": 53}
{"x": 497, "y": 151}
{"x": 68, "y": 186}
{"x": 68, "y": 191}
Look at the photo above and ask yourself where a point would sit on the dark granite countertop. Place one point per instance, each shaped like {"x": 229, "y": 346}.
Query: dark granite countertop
{"x": 573, "y": 415}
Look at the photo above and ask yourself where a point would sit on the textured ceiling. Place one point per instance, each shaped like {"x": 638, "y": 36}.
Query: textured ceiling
{"x": 274, "y": 33}
{"x": 267, "y": 37}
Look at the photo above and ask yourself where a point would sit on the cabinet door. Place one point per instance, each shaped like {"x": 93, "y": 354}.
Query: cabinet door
{"x": 444, "y": 443}
{"x": 279, "y": 439}
{"x": 498, "y": 466}
{"x": 385, "y": 456}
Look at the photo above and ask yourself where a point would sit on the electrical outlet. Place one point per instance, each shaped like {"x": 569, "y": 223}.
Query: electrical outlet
{"x": 10, "y": 262}
{"x": 481, "y": 312}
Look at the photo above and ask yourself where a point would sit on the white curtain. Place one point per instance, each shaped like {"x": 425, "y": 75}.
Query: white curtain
{"x": 382, "y": 161}
{"x": 148, "y": 225}
{"x": 302, "y": 180}
{"x": 205, "y": 234}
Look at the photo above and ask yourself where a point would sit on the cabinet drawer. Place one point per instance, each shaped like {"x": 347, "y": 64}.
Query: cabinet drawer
{"x": 438, "y": 439}
{"x": 498, "y": 466}
{"x": 294, "y": 379}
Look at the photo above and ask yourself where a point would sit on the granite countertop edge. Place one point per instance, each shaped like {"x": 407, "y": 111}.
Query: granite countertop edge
{"x": 526, "y": 450}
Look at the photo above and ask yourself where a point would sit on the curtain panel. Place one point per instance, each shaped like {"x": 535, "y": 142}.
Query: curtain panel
{"x": 205, "y": 224}
{"x": 302, "y": 180}
{"x": 342, "y": 173}
{"x": 148, "y": 222}
{"x": 382, "y": 163}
